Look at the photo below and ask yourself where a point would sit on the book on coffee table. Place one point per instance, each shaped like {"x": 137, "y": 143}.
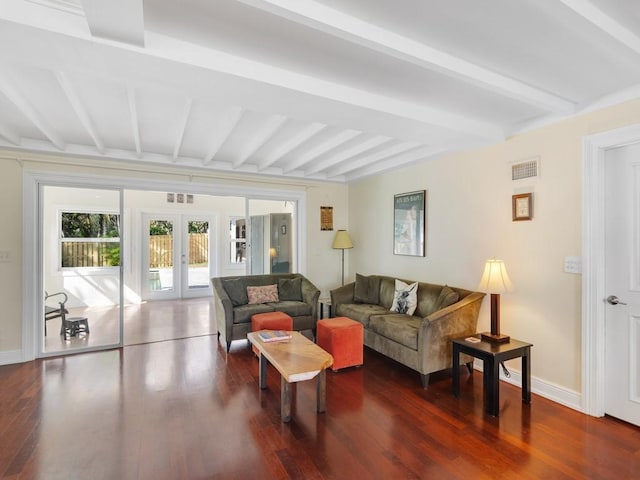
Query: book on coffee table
{"x": 274, "y": 335}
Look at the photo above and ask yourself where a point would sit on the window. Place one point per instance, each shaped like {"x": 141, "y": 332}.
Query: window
{"x": 238, "y": 240}
{"x": 89, "y": 240}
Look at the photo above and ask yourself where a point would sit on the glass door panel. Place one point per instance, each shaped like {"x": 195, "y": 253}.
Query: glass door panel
{"x": 159, "y": 272}
{"x": 81, "y": 269}
{"x": 196, "y": 258}
{"x": 273, "y": 236}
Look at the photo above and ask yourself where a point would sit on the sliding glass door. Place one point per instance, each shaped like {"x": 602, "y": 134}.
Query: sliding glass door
{"x": 81, "y": 250}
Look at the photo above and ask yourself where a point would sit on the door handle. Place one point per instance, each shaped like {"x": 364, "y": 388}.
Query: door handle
{"x": 613, "y": 300}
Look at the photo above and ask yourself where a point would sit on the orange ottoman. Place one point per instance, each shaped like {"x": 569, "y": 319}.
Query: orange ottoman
{"x": 343, "y": 338}
{"x": 270, "y": 321}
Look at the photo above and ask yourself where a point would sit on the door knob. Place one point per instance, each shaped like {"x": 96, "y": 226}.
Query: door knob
{"x": 613, "y": 300}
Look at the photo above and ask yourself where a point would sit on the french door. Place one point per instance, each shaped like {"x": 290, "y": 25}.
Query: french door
{"x": 176, "y": 256}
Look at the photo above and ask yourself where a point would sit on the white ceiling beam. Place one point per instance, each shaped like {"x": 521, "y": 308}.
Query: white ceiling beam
{"x": 324, "y": 147}
{"x": 119, "y": 20}
{"x": 347, "y": 154}
{"x": 347, "y": 27}
{"x": 604, "y": 22}
{"x": 259, "y": 138}
{"x": 80, "y": 110}
{"x": 8, "y": 134}
{"x": 365, "y": 160}
{"x": 182, "y": 127}
{"x": 291, "y": 144}
{"x": 30, "y": 112}
{"x": 223, "y": 131}
{"x": 133, "y": 114}
{"x": 398, "y": 161}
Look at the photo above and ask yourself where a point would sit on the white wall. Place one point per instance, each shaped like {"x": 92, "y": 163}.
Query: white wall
{"x": 469, "y": 221}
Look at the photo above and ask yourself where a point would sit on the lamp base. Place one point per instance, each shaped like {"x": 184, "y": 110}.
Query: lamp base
{"x": 499, "y": 338}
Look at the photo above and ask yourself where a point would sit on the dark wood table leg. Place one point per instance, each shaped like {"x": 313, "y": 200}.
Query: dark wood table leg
{"x": 322, "y": 391}
{"x": 285, "y": 400}
{"x": 526, "y": 375}
{"x": 455, "y": 371}
{"x": 263, "y": 371}
{"x": 492, "y": 387}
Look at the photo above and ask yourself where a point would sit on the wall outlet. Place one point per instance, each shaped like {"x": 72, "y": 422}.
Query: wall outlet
{"x": 573, "y": 265}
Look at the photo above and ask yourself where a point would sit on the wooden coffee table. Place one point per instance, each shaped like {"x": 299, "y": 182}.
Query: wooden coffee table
{"x": 297, "y": 359}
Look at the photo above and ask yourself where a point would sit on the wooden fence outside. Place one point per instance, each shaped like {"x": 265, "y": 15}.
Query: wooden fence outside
{"x": 96, "y": 254}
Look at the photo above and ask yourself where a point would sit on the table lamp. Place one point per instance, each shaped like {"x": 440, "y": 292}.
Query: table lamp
{"x": 342, "y": 241}
{"x": 495, "y": 281}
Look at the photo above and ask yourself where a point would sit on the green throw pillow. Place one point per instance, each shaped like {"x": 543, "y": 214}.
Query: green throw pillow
{"x": 447, "y": 297}
{"x": 367, "y": 289}
{"x": 236, "y": 290}
{"x": 290, "y": 289}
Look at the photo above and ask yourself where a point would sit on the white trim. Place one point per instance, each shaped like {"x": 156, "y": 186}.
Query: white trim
{"x": 593, "y": 250}
{"x": 551, "y": 391}
{"x": 9, "y": 357}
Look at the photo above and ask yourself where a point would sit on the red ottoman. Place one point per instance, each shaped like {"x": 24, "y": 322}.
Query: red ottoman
{"x": 271, "y": 321}
{"x": 343, "y": 338}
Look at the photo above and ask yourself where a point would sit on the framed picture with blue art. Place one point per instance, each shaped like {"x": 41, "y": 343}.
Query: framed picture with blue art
{"x": 409, "y": 223}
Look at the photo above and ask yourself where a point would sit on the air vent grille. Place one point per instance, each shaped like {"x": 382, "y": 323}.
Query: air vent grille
{"x": 526, "y": 169}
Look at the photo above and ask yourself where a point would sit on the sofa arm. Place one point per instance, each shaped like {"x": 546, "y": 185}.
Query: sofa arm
{"x": 341, "y": 295}
{"x": 310, "y": 295}
{"x": 223, "y": 308}
{"x": 438, "y": 329}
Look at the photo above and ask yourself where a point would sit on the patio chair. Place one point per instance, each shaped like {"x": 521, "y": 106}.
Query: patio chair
{"x": 55, "y": 312}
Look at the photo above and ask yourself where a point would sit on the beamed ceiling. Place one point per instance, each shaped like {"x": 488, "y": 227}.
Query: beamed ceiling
{"x": 332, "y": 90}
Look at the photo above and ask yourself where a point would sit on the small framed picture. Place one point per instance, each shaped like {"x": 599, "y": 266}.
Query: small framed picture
{"x": 170, "y": 197}
{"x": 522, "y": 207}
{"x": 180, "y": 197}
{"x": 189, "y": 198}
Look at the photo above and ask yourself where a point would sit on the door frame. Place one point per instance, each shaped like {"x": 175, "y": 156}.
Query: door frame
{"x": 594, "y": 156}
{"x": 181, "y": 275}
{"x": 125, "y": 178}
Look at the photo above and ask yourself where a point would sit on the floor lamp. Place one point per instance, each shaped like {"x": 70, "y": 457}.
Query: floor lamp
{"x": 342, "y": 241}
{"x": 495, "y": 281}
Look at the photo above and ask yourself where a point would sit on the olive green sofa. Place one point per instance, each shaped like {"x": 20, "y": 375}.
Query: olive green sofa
{"x": 298, "y": 298}
{"x": 421, "y": 341}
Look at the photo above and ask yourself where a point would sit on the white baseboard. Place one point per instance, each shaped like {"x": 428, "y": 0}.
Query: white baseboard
{"x": 8, "y": 357}
{"x": 551, "y": 391}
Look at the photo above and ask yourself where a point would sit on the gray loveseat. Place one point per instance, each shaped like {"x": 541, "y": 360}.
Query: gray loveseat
{"x": 297, "y": 296}
{"x": 421, "y": 341}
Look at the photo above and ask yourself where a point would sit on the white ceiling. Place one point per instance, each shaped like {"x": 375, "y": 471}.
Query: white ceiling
{"x": 326, "y": 90}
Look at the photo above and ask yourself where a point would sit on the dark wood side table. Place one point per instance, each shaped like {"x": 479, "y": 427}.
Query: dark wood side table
{"x": 325, "y": 301}
{"x": 491, "y": 355}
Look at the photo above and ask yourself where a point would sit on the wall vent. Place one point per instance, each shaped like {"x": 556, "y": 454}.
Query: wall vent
{"x": 525, "y": 169}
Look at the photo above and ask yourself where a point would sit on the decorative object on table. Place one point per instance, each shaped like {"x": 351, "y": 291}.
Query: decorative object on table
{"x": 326, "y": 218}
{"x": 495, "y": 281}
{"x": 522, "y": 206}
{"x": 409, "y": 223}
{"x": 342, "y": 241}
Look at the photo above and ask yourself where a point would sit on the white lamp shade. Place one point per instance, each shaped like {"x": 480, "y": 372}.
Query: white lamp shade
{"x": 342, "y": 240}
{"x": 495, "y": 278}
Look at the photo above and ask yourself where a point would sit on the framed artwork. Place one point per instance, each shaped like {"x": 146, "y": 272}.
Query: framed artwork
{"x": 409, "y": 223}
{"x": 326, "y": 218}
{"x": 522, "y": 207}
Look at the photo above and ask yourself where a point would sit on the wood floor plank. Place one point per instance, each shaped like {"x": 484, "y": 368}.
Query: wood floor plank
{"x": 187, "y": 409}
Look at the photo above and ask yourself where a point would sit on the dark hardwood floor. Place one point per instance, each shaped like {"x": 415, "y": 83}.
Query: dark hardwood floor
{"x": 183, "y": 409}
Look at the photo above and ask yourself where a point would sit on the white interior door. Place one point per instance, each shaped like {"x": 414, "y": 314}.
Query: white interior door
{"x": 176, "y": 256}
{"x": 622, "y": 267}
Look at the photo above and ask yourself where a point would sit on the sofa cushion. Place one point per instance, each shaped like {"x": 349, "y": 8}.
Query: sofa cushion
{"x": 360, "y": 312}
{"x": 405, "y": 298}
{"x": 447, "y": 297}
{"x": 243, "y": 313}
{"x": 290, "y": 289}
{"x": 292, "y": 308}
{"x": 398, "y": 327}
{"x": 236, "y": 288}
{"x": 263, "y": 294}
{"x": 367, "y": 289}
